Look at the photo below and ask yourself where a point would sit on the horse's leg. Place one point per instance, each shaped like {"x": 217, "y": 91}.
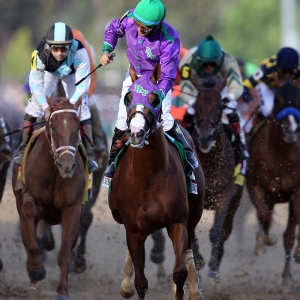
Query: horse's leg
{"x": 1, "y": 265}
{"x": 3, "y": 174}
{"x": 157, "y": 253}
{"x": 35, "y": 266}
{"x": 70, "y": 226}
{"x": 127, "y": 288}
{"x": 44, "y": 238}
{"x": 264, "y": 216}
{"x": 217, "y": 238}
{"x": 288, "y": 240}
{"x": 136, "y": 246}
{"x": 179, "y": 236}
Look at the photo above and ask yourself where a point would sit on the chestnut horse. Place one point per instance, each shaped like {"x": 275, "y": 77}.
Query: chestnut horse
{"x": 273, "y": 174}
{"x": 53, "y": 190}
{"x": 216, "y": 154}
{"x": 149, "y": 191}
{"x": 45, "y": 236}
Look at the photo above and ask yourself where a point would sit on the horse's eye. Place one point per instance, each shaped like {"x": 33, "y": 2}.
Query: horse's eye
{"x": 154, "y": 101}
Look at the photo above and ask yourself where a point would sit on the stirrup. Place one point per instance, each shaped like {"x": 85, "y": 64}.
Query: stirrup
{"x": 110, "y": 171}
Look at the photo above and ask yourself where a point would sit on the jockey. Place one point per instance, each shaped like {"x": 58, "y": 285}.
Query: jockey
{"x": 269, "y": 75}
{"x": 205, "y": 60}
{"x": 58, "y": 57}
{"x": 150, "y": 40}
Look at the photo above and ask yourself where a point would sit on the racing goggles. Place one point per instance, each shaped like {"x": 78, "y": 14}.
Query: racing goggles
{"x": 61, "y": 48}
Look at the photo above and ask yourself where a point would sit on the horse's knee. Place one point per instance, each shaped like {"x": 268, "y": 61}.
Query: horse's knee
{"x": 29, "y": 210}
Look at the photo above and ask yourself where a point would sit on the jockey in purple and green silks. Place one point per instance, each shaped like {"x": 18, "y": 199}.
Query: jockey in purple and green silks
{"x": 150, "y": 40}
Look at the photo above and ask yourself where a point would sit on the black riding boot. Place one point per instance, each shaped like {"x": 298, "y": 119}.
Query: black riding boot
{"x": 4, "y": 141}
{"x": 188, "y": 119}
{"x": 240, "y": 149}
{"x": 86, "y": 127}
{"x": 177, "y": 134}
{"x": 118, "y": 134}
{"x": 26, "y": 135}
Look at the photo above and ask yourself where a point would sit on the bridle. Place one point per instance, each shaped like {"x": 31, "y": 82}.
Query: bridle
{"x": 58, "y": 152}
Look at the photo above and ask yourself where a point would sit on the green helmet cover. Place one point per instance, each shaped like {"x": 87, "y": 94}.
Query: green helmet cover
{"x": 209, "y": 50}
{"x": 149, "y": 12}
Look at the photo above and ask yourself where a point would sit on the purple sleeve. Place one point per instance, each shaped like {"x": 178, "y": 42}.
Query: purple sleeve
{"x": 169, "y": 64}
{"x": 113, "y": 32}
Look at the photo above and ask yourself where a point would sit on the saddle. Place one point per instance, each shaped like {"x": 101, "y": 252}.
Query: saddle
{"x": 21, "y": 171}
{"x": 121, "y": 146}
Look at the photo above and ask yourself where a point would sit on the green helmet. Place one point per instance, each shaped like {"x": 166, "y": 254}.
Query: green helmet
{"x": 150, "y": 12}
{"x": 209, "y": 50}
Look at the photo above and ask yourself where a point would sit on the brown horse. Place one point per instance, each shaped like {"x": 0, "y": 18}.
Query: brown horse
{"x": 149, "y": 191}
{"x": 216, "y": 154}
{"x": 53, "y": 190}
{"x": 273, "y": 174}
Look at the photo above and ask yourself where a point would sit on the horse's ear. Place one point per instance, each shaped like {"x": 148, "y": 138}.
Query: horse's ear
{"x": 221, "y": 86}
{"x": 132, "y": 73}
{"x": 50, "y": 100}
{"x": 196, "y": 84}
{"x": 77, "y": 103}
{"x": 156, "y": 73}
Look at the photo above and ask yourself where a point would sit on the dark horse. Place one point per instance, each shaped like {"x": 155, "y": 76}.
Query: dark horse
{"x": 13, "y": 118}
{"x": 216, "y": 154}
{"x": 273, "y": 174}
{"x": 53, "y": 189}
{"x": 45, "y": 236}
{"x": 149, "y": 191}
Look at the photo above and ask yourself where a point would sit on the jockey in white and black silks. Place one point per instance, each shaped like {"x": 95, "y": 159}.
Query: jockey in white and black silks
{"x": 58, "y": 57}
{"x": 150, "y": 40}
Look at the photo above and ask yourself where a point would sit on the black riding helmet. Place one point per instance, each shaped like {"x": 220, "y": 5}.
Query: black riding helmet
{"x": 59, "y": 34}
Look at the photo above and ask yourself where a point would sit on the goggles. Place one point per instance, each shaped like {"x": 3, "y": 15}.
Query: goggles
{"x": 209, "y": 64}
{"x": 61, "y": 48}
{"x": 143, "y": 28}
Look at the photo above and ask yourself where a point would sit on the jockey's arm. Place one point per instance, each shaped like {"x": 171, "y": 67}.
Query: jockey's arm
{"x": 169, "y": 65}
{"x": 82, "y": 67}
{"x": 233, "y": 77}
{"x": 36, "y": 80}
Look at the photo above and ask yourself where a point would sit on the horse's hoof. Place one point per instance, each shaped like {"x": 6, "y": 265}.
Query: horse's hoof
{"x": 127, "y": 295}
{"x": 270, "y": 240}
{"x": 214, "y": 276}
{"x": 37, "y": 275}
{"x": 79, "y": 265}
{"x": 61, "y": 297}
{"x": 1, "y": 265}
{"x": 296, "y": 256}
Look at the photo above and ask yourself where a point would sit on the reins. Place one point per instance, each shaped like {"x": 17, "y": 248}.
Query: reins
{"x": 20, "y": 129}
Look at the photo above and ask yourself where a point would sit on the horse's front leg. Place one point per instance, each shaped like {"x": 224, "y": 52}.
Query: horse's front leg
{"x": 136, "y": 246}
{"x": 217, "y": 237}
{"x": 70, "y": 227}
{"x": 264, "y": 215}
{"x": 179, "y": 236}
{"x": 35, "y": 266}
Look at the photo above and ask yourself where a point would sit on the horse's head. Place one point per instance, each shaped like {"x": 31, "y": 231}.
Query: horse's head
{"x": 143, "y": 103}
{"x": 63, "y": 129}
{"x": 208, "y": 112}
{"x": 286, "y": 111}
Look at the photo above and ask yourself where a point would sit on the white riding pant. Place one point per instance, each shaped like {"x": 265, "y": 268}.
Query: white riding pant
{"x": 50, "y": 87}
{"x": 168, "y": 120}
{"x": 266, "y": 97}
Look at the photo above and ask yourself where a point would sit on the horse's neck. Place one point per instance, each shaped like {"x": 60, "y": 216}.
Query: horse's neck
{"x": 153, "y": 158}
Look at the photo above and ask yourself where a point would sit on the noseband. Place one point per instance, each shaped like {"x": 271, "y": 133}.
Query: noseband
{"x": 58, "y": 152}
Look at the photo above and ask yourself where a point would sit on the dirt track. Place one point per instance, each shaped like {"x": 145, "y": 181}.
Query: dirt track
{"x": 243, "y": 275}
